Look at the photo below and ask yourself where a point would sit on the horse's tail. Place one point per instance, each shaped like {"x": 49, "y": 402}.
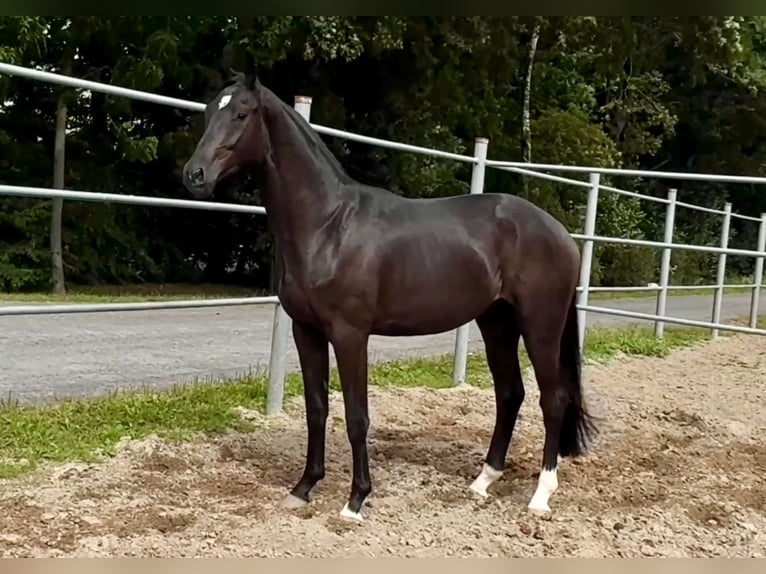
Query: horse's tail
{"x": 578, "y": 426}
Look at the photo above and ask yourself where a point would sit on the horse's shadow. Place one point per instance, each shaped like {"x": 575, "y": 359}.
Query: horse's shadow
{"x": 278, "y": 457}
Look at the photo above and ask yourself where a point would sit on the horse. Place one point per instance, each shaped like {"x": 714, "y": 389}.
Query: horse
{"x": 354, "y": 260}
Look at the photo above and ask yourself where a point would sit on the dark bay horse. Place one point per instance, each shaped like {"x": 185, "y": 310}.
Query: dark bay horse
{"x": 355, "y": 260}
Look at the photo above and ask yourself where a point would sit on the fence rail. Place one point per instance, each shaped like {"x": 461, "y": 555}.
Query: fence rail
{"x": 50, "y": 193}
{"x": 723, "y": 178}
{"x": 682, "y": 246}
{"x": 674, "y": 320}
{"x": 200, "y": 107}
{"x": 479, "y": 163}
{"x": 51, "y": 309}
{"x": 655, "y": 287}
{"x": 61, "y": 79}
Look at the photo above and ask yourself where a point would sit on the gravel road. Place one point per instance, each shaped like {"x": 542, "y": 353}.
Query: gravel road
{"x": 54, "y": 356}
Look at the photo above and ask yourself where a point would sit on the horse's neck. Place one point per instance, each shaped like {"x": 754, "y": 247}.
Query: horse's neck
{"x": 301, "y": 192}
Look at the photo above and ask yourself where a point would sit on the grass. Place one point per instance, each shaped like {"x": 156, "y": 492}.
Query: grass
{"x": 89, "y": 429}
{"x": 175, "y": 291}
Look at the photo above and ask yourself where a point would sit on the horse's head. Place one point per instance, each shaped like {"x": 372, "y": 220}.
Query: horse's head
{"x": 234, "y": 136}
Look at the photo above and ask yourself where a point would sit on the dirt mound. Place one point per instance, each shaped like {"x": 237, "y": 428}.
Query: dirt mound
{"x": 677, "y": 471}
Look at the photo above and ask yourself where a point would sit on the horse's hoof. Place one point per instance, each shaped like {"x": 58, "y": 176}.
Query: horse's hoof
{"x": 348, "y": 514}
{"x": 291, "y": 502}
{"x": 479, "y": 489}
{"x": 539, "y": 510}
{"x": 484, "y": 480}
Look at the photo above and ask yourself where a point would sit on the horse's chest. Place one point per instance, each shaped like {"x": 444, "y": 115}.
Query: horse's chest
{"x": 303, "y": 300}
{"x": 324, "y": 298}
{"x": 296, "y": 300}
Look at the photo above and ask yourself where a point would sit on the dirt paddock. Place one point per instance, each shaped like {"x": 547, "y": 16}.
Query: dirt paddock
{"x": 678, "y": 470}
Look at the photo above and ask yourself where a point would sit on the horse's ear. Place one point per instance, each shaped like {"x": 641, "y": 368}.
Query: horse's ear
{"x": 229, "y": 75}
{"x": 255, "y": 86}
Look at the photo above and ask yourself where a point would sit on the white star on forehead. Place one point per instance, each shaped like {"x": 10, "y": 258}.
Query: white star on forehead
{"x": 224, "y": 101}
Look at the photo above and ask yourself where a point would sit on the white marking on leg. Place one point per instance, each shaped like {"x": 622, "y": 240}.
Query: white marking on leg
{"x": 224, "y": 101}
{"x": 546, "y": 485}
{"x": 346, "y": 513}
{"x": 485, "y": 479}
{"x": 292, "y": 502}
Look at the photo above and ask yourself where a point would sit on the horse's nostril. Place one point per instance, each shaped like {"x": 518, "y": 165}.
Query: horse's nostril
{"x": 198, "y": 175}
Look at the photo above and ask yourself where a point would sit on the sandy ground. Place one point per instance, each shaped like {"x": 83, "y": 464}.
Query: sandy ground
{"x": 678, "y": 470}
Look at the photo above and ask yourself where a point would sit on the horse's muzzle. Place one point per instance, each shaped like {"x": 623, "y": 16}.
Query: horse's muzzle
{"x": 195, "y": 180}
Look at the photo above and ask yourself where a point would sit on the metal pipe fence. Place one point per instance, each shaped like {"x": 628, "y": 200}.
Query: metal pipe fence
{"x": 656, "y": 287}
{"x": 281, "y": 325}
{"x": 462, "y": 333}
{"x": 93, "y": 196}
{"x": 53, "y": 309}
{"x": 722, "y": 178}
{"x": 675, "y": 320}
{"x": 662, "y": 294}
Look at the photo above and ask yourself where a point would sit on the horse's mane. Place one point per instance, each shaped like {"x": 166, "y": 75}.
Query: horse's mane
{"x": 313, "y": 137}
{"x": 302, "y": 126}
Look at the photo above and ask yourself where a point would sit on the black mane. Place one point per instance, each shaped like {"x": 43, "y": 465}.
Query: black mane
{"x": 318, "y": 143}
{"x": 309, "y": 134}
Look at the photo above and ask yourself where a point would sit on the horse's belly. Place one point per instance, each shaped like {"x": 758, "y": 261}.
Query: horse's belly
{"x": 433, "y": 307}
{"x": 412, "y": 326}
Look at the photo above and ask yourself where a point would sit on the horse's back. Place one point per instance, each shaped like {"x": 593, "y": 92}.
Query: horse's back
{"x": 529, "y": 248}
{"x": 489, "y": 224}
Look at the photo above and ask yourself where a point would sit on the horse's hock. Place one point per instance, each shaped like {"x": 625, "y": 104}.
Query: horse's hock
{"x": 676, "y": 471}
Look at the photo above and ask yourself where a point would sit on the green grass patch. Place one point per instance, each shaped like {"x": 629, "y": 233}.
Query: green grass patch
{"x": 89, "y": 429}
{"x": 602, "y": 345}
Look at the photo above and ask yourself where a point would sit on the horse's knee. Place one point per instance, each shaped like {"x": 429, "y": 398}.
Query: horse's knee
{"x": 357, "y": 427}
{"x": 512, "y": 396}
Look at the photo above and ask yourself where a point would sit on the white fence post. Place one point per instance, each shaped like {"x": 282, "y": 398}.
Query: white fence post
{"x": 586, "y": 262}
{"x": 460, "y": 360}
{"x": 721, "y": 275}
{"x": 282, "y": 324}
{"x": 662, "y": 294}
{"x": 758, "y": 275}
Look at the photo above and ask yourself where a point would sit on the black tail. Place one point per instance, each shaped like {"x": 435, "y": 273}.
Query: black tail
{"x": 578, "y": 426}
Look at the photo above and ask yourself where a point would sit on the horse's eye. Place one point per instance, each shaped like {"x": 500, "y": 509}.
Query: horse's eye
{"x": 241, "y": 115}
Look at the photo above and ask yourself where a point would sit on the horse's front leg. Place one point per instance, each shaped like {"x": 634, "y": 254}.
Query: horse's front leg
{"x": 313, "y": 354}
{"x": 350, "y": 347}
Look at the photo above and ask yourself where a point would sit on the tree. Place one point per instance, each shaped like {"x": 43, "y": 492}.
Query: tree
{"x": 676, "y": 93}
{"x": 59, "y": 158}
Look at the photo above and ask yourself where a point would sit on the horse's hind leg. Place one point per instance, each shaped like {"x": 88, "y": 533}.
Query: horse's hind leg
{"x": 499, "y": 329}
{"x": 552, "y": 341}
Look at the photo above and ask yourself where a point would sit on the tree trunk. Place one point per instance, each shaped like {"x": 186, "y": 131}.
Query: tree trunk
{"x": 526, "y": 122}
{"x": 57, "y": 261}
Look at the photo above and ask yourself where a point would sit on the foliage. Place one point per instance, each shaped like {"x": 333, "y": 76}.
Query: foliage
{"x": 681, "y": 93}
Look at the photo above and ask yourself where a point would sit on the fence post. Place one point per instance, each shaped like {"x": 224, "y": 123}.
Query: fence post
{"x": 758, "y": 275}
{"x": 282, "y": 324}
{"x": 662, "y": 294}
{"x": 586, "y": 262}
{"x": 721, "y": 275}
{"x": 461, "y": 335}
